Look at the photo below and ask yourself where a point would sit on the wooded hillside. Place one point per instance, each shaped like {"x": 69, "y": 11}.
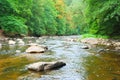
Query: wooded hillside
{"x": 59, "y": 17}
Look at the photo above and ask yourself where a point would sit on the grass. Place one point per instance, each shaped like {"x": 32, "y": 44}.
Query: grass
{"x": 100, "y": 36}
{"x": 94, "y": 36}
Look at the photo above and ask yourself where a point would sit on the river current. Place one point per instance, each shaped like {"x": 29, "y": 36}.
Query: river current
{"x": 81, "y": 64}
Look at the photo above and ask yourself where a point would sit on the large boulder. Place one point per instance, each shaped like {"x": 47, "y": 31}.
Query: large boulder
{"x": 43, "y": 66}
{"x": 35, "y": 49}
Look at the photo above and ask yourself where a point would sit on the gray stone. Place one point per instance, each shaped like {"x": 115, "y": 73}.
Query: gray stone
{"x": 35, "y": 49}
{"x": 11, "y": 42}
{"x": 84, "y": 47}
{"x": 101, "y": 51}
{"x": 43, "y": 66}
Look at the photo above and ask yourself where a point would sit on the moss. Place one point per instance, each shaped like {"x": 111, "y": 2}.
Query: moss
{"x": 94, "y": 36}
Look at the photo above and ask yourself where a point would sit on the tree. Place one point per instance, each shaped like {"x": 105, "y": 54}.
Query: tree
{"x": 13, "y": 26}
{"x": 61, "y": 17}
{"x": 13, "y": 16}
{"x": 103, "y": 16}
{"x": 43, "y": 18}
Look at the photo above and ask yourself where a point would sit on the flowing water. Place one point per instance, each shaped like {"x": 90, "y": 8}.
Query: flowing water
{"x": 81, "y": 64}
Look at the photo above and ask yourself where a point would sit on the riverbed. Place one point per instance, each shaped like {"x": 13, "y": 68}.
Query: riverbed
{"x": 81, "y": 64}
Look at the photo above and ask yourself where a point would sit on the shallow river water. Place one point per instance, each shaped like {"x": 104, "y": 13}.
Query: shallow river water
{"x": 81, "y": 64}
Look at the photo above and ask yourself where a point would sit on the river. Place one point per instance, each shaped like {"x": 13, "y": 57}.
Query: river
{"x": 81, "y": 64}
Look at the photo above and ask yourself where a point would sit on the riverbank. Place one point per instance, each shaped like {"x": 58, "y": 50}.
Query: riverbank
{"x": 88, "y": 39}
{"x": 114, "y": 43}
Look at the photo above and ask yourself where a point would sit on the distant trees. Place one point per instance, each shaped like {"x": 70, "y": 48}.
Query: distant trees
{"x": 13, "y": 16}
{"x": 59, "y": 17}
{"x": 100, "y": 17}
{"x": 34, "y": 17}
{"x": 75, "y": 15}
{"x": 43, "y": 19}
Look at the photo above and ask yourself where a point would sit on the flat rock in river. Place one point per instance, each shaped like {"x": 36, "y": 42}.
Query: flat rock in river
{"x": 35, "y": 49}
{"x": 42, "y": 66}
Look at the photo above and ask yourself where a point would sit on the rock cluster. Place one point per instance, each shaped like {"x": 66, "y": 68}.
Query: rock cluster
{"x": 17, "y": 41}
{"x": 100, "y": 41}
{"x": 93, "y": 41}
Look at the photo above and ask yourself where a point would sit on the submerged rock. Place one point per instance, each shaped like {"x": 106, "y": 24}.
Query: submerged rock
{"x": 42, "y": 66}
{"x": 101, "y": 51}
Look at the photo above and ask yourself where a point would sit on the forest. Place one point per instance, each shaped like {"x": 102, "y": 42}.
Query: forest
{"x": 59, "y": 17}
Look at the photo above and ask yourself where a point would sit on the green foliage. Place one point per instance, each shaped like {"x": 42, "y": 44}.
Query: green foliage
{"x": 50, "y": 17}
{"x": 68, "y": 2}
{"x": 13, "y": 16}
{"x": 13, "y": 25}
{"x": 43, "y": 19}
{"x": 61, "y": 26}
{"x": 36, "y": 17}
{"x": 77, "y": 16}
{"x": 103, "y": 16}
{"x": 21, "y": 8}
{"x": 94, "y": 36}
{"x": 61, "y": 17}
